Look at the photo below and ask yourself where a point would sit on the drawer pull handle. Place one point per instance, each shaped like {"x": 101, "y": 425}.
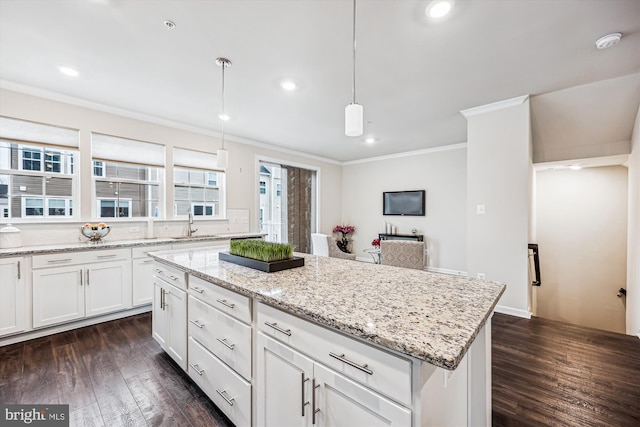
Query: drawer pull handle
{"x": 341, "y": 358}
{"x": 275, "y": 326}
{"x": 107, "y": 256}
{"x": 157, "y": 270}
{"x": 225, "y": 303}
{"x": 54, "y": 261}
{"x": 197, "y": 323}
{"x": 223, "y": 394}
{"x": 197, "y": 289}
{"x": 195, "y": 368}
{"x": 174, "y": 278}
{"x": 146, "y": 261}
{"x": 224, "y": 341}
{"x": 314, "y": 410}
{"x": 303, "y": 380}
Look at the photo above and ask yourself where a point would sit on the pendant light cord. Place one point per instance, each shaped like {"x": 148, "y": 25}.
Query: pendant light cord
{"x": 224, "y": 65}
{"x": 354, "y": 52}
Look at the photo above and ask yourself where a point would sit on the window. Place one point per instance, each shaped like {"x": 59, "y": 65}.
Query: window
{"x": 263, "y": 187}
{"x": 197, "y": 188}
{"x": 278, "y": 190}
{"x": 128, "y": 177}
{"x": 194, "y": 192}
{"x": 36, "y": 168}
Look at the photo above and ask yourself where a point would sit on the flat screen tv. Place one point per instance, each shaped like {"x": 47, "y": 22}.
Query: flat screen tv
{"x": 409, "y": 203}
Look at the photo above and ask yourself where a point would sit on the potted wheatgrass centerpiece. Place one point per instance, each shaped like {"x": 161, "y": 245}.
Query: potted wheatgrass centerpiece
{"x": 261, "y": 255}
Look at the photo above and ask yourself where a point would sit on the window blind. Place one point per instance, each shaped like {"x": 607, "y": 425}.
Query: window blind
{"x": 194, "y": 159}
{"x": 106, "y": 147}
{"x": 21, "y": 130}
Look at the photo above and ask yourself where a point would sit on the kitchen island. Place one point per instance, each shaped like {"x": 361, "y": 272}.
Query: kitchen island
{"x": 411, "y": 347}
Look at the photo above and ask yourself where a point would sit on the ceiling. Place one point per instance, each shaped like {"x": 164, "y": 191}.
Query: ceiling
{"x": 413, "y": 75}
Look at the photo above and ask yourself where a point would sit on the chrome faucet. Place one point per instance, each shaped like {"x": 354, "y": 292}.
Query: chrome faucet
{"x": 190, "y": 230}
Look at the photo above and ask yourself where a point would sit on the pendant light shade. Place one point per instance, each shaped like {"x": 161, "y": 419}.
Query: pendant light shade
{"x": 354, "y": 113}
{"x": 353, "y": 120}
{"x": 222, "y": 154}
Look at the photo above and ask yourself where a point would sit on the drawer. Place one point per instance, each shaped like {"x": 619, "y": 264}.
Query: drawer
{"x": 76, "y": 258}
{"x": 230, "y": 393}
{"x": 142, "y": 251}
{"x": 229, "y": 302}
{"x": 387, "y": 373}
{"x": 221, "y": 334}
{"x": 171, "y": 275}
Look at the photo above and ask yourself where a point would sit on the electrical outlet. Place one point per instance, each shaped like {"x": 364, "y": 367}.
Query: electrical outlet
{"x": 480, "y": 209}
{"x": 481, "y": 276}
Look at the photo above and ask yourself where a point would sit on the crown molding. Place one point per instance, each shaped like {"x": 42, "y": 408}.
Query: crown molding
{"x": 469, "y": 112}
{"x": 458, "y": 146}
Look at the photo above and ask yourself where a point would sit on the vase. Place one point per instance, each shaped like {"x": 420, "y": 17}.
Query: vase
{"x": 343, "y": 244}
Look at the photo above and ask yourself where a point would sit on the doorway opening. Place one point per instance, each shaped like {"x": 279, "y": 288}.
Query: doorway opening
{"x": 287, "y": 204}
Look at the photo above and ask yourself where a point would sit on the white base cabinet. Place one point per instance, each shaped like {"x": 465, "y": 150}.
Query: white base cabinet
{"x": 13, "y": 309}
{"x": 169, "y": 319}
{"x": 58, "y": 295}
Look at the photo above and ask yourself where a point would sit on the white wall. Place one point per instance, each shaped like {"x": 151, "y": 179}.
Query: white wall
{"x": 441, "y": 173}
{"x": 498, "y": 177}
{"x": 633, "y": 240}
{"x": 582, "y": 236}
{"x": 242, "y": 175}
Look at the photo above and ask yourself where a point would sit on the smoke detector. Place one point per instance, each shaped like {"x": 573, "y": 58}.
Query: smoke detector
{"x": 609, "y": 40}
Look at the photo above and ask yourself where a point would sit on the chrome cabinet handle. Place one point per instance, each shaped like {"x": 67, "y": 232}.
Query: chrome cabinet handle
{"x": 18, "y": 270}
{"x": 197, "y": 289}
{"x": 147, "y": 261}
{"x": 223, "y": 393}
{"x": 157, "y": 270}
{"x": 226, "y": 344}
{"x": 341, "y": 358}
{"x": 195, "y": 368}
{"x": 197, "y": 323}
{"x": 275, "y": 326}
{"x": 174, "y": 278}
{"x": 225, "y": 303}
{"x": 87, "y": 277}
{"x": 80, "y": 277}
{"x": 107, "y": 256}
{"x": 303, "y": 380}
{"x": 53, "y": 261}
{"x": 314, "y": 410}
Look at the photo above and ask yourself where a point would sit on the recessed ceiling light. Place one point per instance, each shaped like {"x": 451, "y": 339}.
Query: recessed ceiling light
{"x": 608, "y": 41}
{"x": 223, "y": 117}
{"x": 169, "y": 24}
{"x": 288, "y": 85}
{"x": 370, "y": 140}
{"x": 575, "y": 167}
{"x": 439, "y": 8}
{"x": 68, "y": 71}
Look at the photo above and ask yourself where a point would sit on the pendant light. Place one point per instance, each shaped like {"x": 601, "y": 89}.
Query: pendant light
{"x": 353, "y": 113}
{"x": 223, "y": 154}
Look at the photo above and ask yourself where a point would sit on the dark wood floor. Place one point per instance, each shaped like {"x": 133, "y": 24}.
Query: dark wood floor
{"x": 545, "y": 373}
{"x": 112, "y": 374}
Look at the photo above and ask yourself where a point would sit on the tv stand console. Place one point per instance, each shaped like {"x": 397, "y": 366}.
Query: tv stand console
{"x": 416, "y": 237}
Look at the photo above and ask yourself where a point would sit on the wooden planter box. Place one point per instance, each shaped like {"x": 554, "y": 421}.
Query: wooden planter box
{"x": 268, "y": 267}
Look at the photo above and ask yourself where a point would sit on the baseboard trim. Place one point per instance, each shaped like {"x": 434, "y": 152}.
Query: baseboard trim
{"x": 513, "y": 311}
{"x": 37, "y": 333}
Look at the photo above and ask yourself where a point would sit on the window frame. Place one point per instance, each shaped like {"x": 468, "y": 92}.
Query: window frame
{"x": 220, "y": 187}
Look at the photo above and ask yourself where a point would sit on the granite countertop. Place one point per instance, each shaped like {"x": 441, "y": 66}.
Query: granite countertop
{"x": 430, "y": 316}
{"x": 115, "y": 244}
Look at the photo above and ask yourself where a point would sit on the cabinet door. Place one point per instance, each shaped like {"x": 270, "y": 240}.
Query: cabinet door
{"x": 107, "y": 287}
{"x": 343, "y": 402}
{"x": 142, "y": 283}
{"x": 176, "y": 306}
{"x": 13, "y": 311}
{"x": 159, "y": 316}
{"x": 284, "y": 385}
{"x": 58, "y": 295}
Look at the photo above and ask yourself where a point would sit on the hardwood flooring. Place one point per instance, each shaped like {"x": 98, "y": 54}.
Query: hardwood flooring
{"x": 548, "y": 373}
{"x": 545, "y": 373}
{"x": 112, "y": 374}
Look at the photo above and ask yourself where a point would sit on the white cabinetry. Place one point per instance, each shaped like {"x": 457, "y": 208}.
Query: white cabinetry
{"x": 13, "y": 309}
{"x": 220, "y": 347}
{"x": 71, "y": 286}
{"x": 169, "y": 320}
{"x": 142, "y": 273}
{"x": 296, "y": 388}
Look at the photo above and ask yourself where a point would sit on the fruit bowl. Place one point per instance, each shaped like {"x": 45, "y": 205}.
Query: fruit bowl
{"x": 95, "y": 232}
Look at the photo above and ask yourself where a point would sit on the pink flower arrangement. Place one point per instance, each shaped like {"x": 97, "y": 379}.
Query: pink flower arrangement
{"x": 375, "y": 243}
{"x": 344, "y": 229}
